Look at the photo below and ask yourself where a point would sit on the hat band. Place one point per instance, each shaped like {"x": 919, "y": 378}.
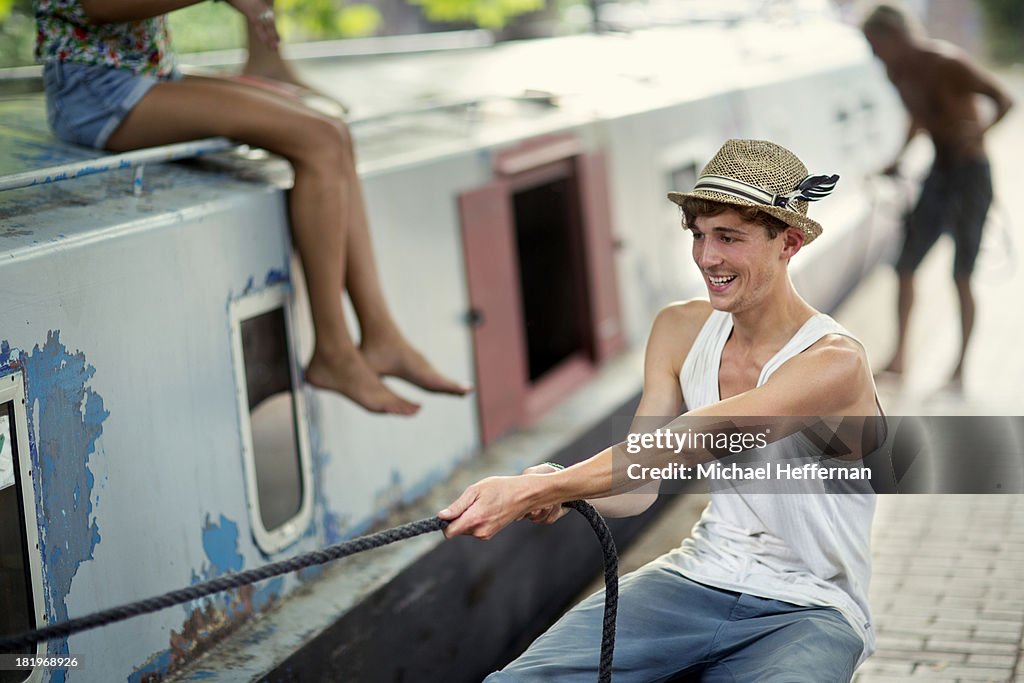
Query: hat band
{"x": 810, "y": 189}
{"x": 735, "y": 188}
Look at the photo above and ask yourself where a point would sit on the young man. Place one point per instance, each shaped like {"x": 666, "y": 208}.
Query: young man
{"x": 769, "y": 587}
{"x": 938, "y": 85}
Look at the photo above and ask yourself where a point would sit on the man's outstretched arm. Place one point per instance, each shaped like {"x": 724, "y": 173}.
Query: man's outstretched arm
{"x": 830, "y": 378}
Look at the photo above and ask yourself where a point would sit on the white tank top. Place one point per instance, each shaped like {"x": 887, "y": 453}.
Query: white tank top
{"x": 809, "y": 549}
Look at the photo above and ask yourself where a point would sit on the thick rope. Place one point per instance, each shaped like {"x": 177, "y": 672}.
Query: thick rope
{"x": 108, "y": 616}
{"x": 25, "y": 642}
{"x": 611, "y": 585}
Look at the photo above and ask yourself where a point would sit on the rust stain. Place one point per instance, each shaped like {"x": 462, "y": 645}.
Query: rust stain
{"x": 203, "y": 629}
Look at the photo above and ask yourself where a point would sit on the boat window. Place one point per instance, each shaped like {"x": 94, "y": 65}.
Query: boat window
{"x": 276, "y": 456}
{"x": 869, "y": 114}
{"x": 683, "y": 178}
{"x": 551, "y": 275}
{"x": 16, "y": 603}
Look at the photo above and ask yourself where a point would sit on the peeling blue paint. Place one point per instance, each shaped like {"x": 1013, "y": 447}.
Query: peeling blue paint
{"x": 273, "y": 277}
{"x": 332, "y": 526}
{"x": 220, "y": 543}
{"x": 276, "y": 277}
{"x": 68, "y": 418}
{"x": 267, "y": 593}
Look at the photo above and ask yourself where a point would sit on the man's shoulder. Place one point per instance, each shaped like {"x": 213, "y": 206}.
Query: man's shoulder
{"x": 837, "y": 366}
{"x": 683, "y": 317}
{"x": 941, "y": 49}
{"x": 836, "y": 347}
{"x": 676, "y": 328}
{"x": 940, "y": 56}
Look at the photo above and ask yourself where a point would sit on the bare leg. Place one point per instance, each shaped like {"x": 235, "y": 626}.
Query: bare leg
{"x": 904, "y": 303}
{"x": 384, "y": 346}
{"x": 319, "y": 151}
{"x": 963, "y": 290}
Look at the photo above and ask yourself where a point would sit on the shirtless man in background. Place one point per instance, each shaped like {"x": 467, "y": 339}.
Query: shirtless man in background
{"x": 939, "y": 86}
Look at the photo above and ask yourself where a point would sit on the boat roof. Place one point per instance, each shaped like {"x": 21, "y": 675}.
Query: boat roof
{"x": 410, "y": 109}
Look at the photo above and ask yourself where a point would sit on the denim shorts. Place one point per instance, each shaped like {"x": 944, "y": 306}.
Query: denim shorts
{"x": 670, "y": 628}
{"x": 86, "y": 103}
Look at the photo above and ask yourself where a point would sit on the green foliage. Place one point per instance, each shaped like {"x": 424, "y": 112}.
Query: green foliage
{"x": 206, "y": 26}
{"x": 358, "y": 20}
{"x": 319, "y": 19}
{"x": 216, "y": 25}
{"x": 17, "y": 32}
{"x": 13, "y": 7}
{"x": 485, "y": 13}
{"x": 1005, "y": 23}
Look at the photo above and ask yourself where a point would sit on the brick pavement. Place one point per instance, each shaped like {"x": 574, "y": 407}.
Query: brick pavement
{"x": 947, "y": 589}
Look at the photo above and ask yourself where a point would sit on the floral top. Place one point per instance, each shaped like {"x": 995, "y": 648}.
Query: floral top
{"x": 65, "y": 34}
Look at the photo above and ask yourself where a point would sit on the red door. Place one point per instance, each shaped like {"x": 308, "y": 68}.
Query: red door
{"x": 492, "y": 273}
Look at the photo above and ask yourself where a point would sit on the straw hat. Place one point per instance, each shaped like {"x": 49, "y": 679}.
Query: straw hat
{"x": 763, "y": 175}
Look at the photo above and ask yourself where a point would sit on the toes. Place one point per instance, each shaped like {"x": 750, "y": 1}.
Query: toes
{"x": 400, "y": 406}
{"x": 357, "y": 381}
{"x": 440, "y": 384}
{"x": 381, "y": 400}
{"x": 407, "y": 364}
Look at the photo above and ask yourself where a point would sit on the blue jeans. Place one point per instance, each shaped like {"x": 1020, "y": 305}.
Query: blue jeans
{"x": 672, "y": 628}
{"x": 86, "y": 103}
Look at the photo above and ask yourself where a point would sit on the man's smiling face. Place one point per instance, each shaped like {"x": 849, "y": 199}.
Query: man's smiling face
{"x": 738, "y": 260}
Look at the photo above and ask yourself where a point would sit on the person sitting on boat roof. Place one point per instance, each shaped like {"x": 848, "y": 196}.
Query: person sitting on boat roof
{"x": 111, "y": 83}
{"x": 938, "y": 85}
{"x": 768, "y": 587}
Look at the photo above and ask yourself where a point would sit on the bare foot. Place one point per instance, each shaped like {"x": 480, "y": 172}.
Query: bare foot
{"x": 352, "y": 376}
{"x": 398, "y": 359}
